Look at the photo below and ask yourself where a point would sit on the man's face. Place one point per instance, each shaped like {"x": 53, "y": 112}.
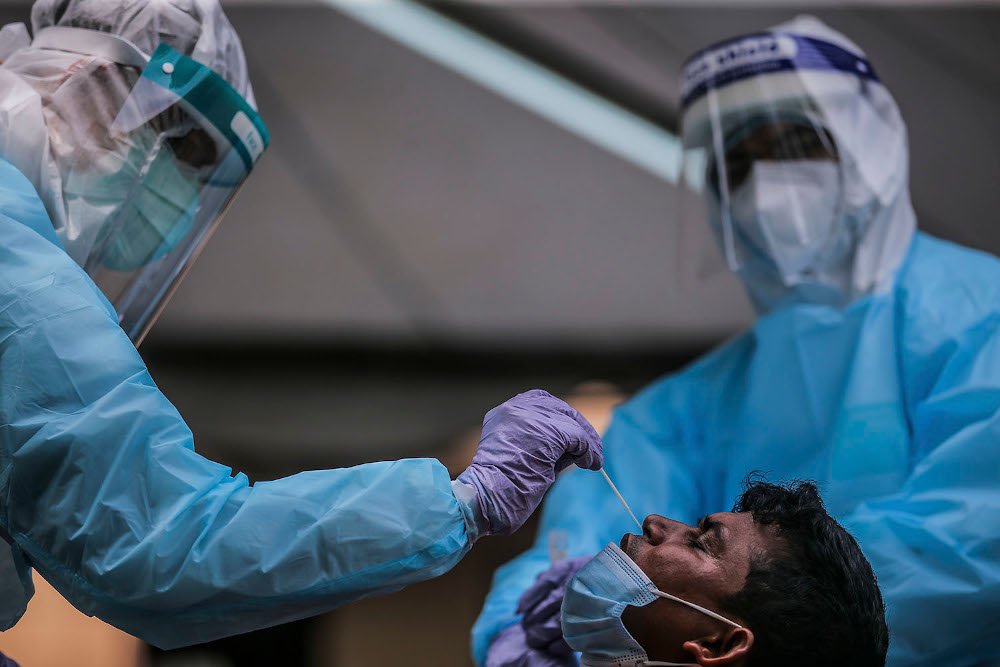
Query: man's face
{"x": 703, "y": 564}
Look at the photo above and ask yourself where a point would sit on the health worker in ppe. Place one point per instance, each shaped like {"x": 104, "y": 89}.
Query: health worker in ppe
{"x": 873, "y": 368}
{"x": 125, "y": 129}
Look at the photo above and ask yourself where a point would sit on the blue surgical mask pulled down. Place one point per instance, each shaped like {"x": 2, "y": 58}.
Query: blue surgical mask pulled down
{"x": 593, "y": 605}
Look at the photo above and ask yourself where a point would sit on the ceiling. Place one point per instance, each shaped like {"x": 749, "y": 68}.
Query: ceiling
{"x": 402, "y": 201}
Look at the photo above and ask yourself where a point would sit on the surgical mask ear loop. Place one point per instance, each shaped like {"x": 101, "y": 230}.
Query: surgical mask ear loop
{"x": 692, "y": 605}
{"x": 668, "y": 596}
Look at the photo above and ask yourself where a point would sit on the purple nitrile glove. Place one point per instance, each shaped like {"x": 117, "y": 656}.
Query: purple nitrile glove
{"x": 510, "y": 650}
{"x": 541, "y": 605}
{"x": 525, "y": 442}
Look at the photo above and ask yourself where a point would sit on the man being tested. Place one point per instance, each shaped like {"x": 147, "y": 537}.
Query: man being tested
{"x": 125, "y": 128}
{"x": 776, "y": 582}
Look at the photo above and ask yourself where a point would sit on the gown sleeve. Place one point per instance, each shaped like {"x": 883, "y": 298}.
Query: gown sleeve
{"x": 102, "y": 492}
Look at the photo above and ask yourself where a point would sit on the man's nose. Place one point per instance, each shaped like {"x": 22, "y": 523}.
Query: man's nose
{"x": 659, "y": 529}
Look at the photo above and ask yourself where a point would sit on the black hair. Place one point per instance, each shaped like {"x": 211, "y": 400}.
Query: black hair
{"x": 814, "y": 600}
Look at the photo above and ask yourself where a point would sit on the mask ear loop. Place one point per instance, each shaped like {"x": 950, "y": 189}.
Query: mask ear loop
{"x": 668, "y": 596}
{"x": 692, "y": 605}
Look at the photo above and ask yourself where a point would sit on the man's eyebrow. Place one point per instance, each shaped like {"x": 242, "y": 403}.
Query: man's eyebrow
{"x": 714, "y": 527}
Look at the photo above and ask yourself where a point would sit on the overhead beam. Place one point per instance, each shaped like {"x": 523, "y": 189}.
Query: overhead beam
{"x": 522, "y": 81}
{"x": 504, "y": 25}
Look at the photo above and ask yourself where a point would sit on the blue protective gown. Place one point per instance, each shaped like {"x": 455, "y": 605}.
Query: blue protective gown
{"x": 102, "y": 492}
{"x": 892, "y": 405}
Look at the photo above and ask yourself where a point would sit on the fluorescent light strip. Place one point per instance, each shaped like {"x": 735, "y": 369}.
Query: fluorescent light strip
{"x": 522, "y": 81}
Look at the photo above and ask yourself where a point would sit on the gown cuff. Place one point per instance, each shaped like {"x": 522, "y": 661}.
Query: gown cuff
{"x": 467, "y": 496}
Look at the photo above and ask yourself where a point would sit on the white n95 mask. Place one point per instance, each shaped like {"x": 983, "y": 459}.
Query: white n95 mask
{"x": 789, "y": 212}
{"x": 593, "y": 605}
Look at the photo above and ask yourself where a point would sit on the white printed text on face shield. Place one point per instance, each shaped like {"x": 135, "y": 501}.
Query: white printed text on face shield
{"x": 749, "y": 51}
{"x": 248, "y": 134}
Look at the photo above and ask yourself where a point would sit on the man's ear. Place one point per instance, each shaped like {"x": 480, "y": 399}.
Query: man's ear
{"x": 731, "y": 647}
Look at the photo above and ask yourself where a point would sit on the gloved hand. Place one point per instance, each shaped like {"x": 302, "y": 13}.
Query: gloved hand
{"x": 510, "y": 650}
{"x": 524, "y": 443}
{"x": 541, "y": 605}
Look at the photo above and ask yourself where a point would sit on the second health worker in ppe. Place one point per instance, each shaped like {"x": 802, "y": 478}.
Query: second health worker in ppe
{"x": 125, "y": 128}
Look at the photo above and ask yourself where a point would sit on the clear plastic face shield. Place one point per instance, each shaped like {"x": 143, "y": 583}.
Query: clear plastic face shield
{"x": 786, "y": 140}
{"x": 147, "y": 192}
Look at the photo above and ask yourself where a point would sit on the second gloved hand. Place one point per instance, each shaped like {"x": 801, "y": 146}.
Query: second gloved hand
{"x": 524, "y": 443}
{"x": 541, "y": 605}
{"x": 510, "y": 650}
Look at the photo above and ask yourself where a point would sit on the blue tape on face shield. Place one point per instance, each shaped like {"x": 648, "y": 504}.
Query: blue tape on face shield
{"x": 593, "y": 605}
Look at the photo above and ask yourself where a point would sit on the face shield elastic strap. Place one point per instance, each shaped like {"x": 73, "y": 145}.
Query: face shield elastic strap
{"x": 765, "y": 53}
{"x": 91, "y": 43}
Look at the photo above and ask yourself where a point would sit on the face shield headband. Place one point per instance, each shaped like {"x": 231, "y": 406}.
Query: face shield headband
{"x": 183, "y": 143}
{"x": 765, "y": 53}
